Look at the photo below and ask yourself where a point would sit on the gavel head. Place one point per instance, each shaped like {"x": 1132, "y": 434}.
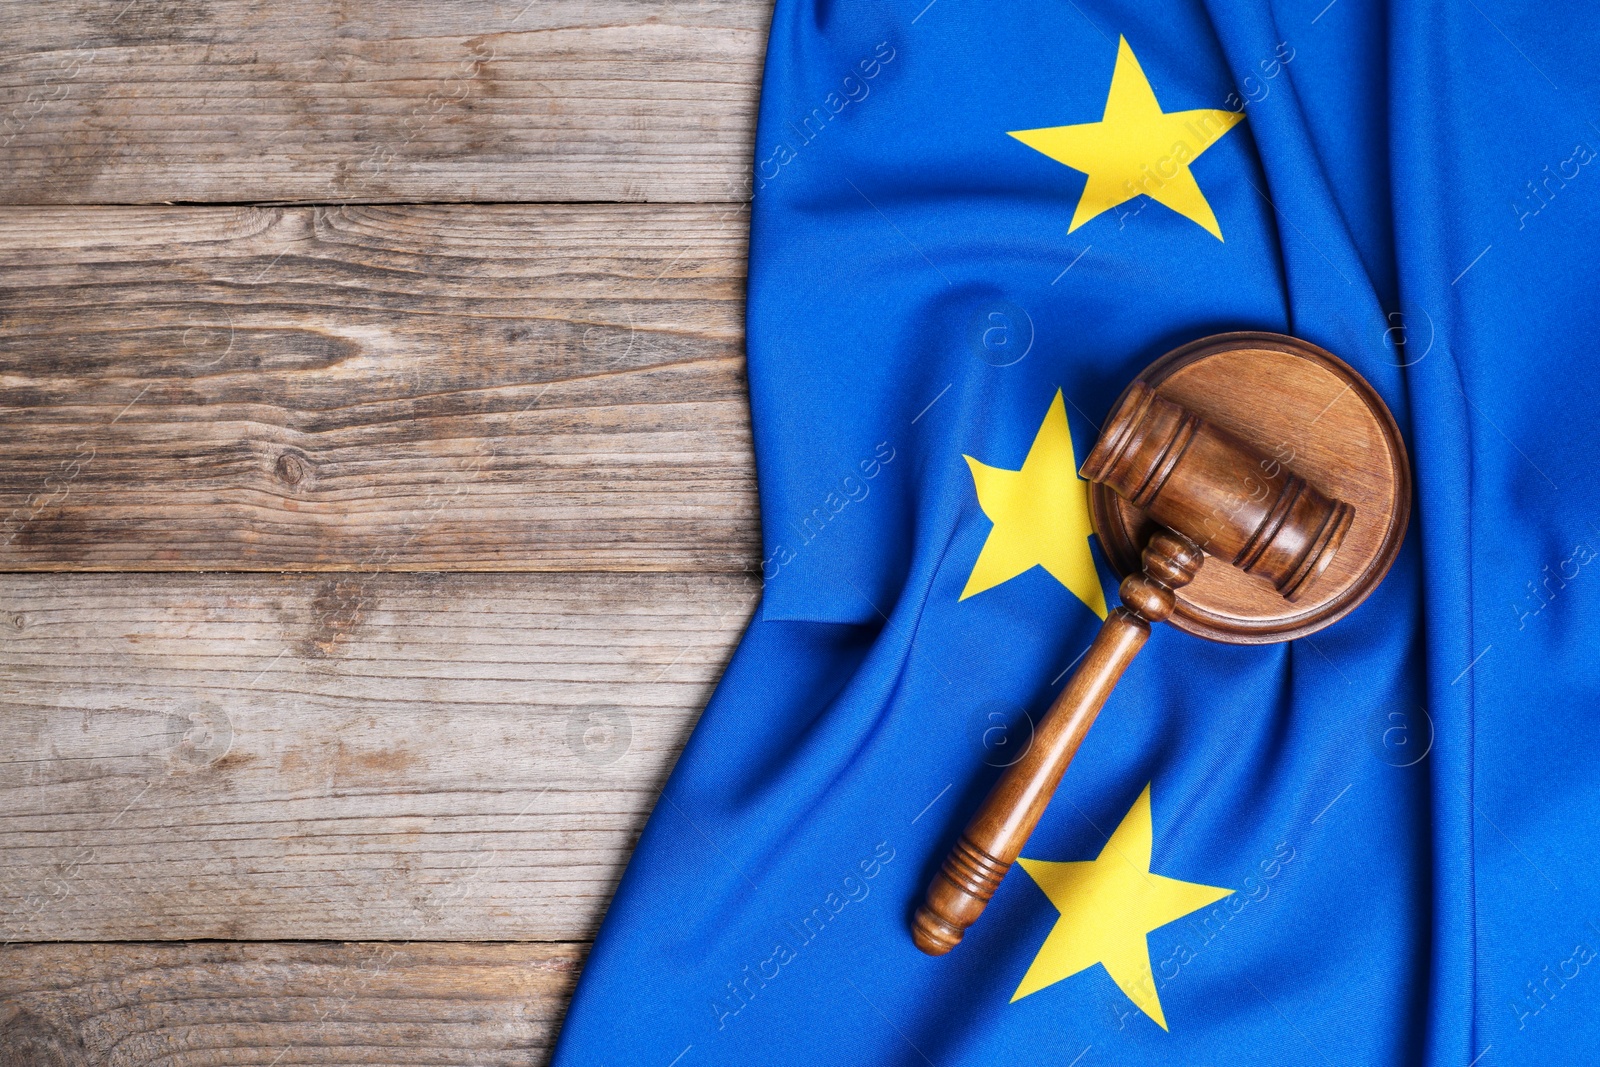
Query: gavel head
{"x": 1237, "y": 503}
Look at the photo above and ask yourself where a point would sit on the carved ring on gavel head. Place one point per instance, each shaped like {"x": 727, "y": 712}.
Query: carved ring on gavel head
{"x": 1261, "y": 450}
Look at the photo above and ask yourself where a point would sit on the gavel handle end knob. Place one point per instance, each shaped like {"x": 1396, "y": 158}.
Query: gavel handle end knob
{"x": 956, "y": 897}
{"x": 932, "y": 934}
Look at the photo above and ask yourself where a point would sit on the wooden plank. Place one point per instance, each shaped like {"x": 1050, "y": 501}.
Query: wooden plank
{"x": 147, "y": 101}
{"x": 282, "y": 1004}
{"x": 395, "y": 756}
{"x": 359, "y": 388}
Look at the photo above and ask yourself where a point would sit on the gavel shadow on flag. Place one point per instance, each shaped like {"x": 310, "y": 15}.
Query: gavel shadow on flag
{"x": 1262, "y": 451}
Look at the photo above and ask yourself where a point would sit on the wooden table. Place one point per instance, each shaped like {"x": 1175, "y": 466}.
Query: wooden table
{"x": 376, "y": 506}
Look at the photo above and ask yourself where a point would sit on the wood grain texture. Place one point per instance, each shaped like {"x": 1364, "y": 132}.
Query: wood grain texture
{"x": 146, "y": 101}
{"x": 1306, "y": 414}
{"x": 374, "y": 388}
{"x": 281, "y": 1004}
{"x": 393, "y": 757}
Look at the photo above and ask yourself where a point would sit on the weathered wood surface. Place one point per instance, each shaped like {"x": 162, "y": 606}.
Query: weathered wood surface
{"x": 374, "y": 388}
{"x": 146, "y": 101}
{"x": 355, "y": 755}
{"x": 277, "y": 1005}
{"x": 392, "y": 757}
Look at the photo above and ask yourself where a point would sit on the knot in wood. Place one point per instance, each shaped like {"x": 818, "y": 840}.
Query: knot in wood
{"x": 293, "y": 467}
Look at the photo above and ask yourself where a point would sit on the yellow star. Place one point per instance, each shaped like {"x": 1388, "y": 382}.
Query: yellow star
{"x": 1108, "y": 906}
{"x": 1040, "y": 515}
{"x": 1136, "y": 148}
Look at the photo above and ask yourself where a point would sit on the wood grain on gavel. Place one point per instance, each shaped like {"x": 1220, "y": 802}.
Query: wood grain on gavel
{"x": 1213, "y": 494}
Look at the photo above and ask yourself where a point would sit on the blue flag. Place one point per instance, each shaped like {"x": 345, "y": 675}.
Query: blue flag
{"x": 972, "y": 225}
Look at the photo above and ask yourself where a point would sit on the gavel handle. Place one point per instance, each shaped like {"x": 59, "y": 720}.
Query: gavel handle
{"x": 997, "y": 832}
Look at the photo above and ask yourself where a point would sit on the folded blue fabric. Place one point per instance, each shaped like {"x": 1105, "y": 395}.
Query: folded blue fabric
{"x": 971, "y": 225}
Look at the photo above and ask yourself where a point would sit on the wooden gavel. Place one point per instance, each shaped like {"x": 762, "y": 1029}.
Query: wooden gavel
{"x": 1211, "y": 494}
